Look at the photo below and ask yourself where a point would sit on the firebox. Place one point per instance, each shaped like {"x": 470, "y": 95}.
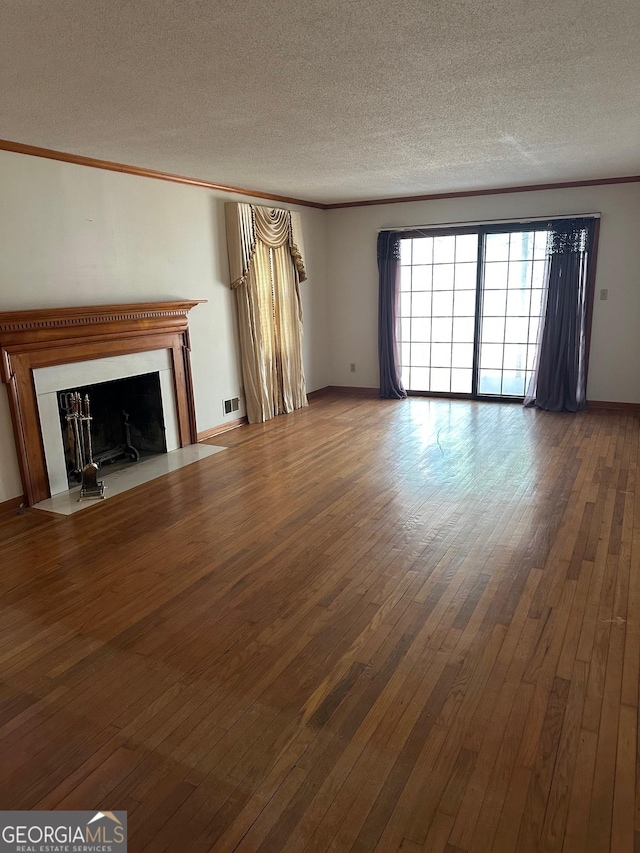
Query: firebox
{"x": 127, "y": 422}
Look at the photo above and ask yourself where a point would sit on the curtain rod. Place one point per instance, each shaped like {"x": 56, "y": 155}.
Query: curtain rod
{"x": 438, "y": 225}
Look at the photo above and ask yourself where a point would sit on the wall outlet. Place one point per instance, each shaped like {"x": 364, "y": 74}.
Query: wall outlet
{"x": 353, "y": 367}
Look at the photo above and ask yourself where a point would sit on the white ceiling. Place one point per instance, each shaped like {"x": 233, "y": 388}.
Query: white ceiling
{"x": 330, "y": 101}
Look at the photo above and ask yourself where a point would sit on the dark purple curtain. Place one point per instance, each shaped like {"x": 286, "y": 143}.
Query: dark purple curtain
{"x": 388, "y": 308}
{"x": 559, "y": 382}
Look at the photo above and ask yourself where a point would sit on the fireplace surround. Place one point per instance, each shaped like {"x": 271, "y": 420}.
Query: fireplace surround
{"x": 37, "y": 339}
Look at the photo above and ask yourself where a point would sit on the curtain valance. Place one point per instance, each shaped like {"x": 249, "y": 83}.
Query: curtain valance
{"x": 274, "y": 227}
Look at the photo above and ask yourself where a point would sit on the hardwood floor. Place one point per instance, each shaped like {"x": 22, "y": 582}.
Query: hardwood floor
{"x": 369, "y": 625}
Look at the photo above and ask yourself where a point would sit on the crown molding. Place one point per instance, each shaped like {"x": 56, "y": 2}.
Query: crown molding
{"x": 108, "y": 165}
{"x": 526, "y": 188}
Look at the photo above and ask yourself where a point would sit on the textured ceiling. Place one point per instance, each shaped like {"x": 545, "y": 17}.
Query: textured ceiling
{"x": 330, "y": 101}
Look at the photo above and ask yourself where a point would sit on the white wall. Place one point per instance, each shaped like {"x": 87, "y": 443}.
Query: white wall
{"x": 352, "y": 278}
{"x": 73, "y": 235}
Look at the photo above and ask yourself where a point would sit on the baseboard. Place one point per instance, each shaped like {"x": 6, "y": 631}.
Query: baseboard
{"x": 353, "y": 391}
{"x": 632, "y": 408}
{"x": 218, "y": 430}
{"x": 12, "y": 505}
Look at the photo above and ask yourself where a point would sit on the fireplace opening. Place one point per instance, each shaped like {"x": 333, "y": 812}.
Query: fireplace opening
{"x": 127, "y": 422}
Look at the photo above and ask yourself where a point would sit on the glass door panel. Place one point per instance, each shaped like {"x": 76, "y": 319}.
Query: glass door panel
{"x": 437, "y": 308}
{"x": 512, "y": 302}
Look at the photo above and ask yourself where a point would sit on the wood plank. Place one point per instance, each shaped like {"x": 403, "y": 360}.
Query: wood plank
{"x": 577, "y": 825}
{"x": 622, "y": 822}
{"x": 531, "y": 826}
{"x": 557, "y": 806}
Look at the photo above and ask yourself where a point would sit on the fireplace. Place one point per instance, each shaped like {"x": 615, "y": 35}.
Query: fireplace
{"x": 47, "y": 352}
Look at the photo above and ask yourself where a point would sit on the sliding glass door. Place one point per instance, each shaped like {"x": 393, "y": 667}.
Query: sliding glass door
{"x": 470, "y": 310}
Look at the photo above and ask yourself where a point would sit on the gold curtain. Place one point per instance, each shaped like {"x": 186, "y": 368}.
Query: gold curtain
{"x": 267, "y": 265}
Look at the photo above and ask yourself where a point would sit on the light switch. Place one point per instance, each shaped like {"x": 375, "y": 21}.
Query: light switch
{"x": 604, "y": 294}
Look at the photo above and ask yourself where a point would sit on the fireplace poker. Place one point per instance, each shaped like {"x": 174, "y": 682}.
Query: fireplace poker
{"x": 87, "y": 418}
{"x": 78, "y": 432}
{"x": 65, "y": 405}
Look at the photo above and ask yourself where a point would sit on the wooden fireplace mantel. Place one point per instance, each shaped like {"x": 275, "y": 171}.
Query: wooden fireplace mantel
{"x": 41, "y": 338}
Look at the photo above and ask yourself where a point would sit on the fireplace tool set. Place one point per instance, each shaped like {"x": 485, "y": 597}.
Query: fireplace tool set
{"x": 78, "y": 417}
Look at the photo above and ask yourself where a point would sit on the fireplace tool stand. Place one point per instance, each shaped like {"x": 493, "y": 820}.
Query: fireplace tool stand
{"x": 79, "y": 425}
